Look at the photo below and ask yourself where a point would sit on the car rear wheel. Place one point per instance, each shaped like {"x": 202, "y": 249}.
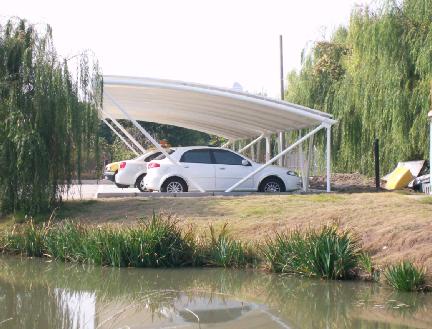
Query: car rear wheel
{"x": 174, "y": 185}
{"x": 140, "y": 183}
{"x": 272, "y": 185}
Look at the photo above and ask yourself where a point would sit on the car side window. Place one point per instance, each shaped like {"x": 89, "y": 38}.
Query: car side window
{"x": 227, "y": 158}
{"x": 197, "y": 156}
{"x": 152, "y": 156}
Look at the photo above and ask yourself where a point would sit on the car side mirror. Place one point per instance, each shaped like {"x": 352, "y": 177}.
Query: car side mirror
{"x": 245, "y": 162}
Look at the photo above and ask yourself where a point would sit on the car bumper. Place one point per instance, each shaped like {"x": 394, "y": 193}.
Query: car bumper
{"x": 124, "y": 177}
{"x": 152, "y": 183}
{"x": 109, "y": 175}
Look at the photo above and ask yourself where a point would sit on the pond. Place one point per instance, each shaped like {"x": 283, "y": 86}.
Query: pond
{"x": 38, "y": 294}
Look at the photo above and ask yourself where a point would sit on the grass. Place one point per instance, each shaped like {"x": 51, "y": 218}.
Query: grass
{"x": 154, "y": 242}
{"x": 391, "y": 226}
{"x": 426, "y": 200}
{"x": 326, "y": 252}
{"x": 405, "y": 276}
{"x": 224, "y": 251}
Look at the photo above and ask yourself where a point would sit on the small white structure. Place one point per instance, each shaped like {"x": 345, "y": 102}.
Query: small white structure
{"x": 223, "y": 112}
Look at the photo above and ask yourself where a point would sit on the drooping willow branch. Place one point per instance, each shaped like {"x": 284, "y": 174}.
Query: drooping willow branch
{"x": 48, "y": 118}
{"x": 374, "y": 76}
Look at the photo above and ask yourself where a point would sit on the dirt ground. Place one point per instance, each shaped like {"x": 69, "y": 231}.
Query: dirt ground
{"x": 391, "y": 225}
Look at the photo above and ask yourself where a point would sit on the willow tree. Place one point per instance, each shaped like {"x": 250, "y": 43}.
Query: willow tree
{"x": 48, "y": 118}
{"x": 374, "y": 76}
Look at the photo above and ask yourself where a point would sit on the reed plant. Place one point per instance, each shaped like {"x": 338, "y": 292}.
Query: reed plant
{"x": 223, "y": 251}
{"x": 405, "y": 276}
{"x": 326, "y": 252}
{"x": 154, "y": 242}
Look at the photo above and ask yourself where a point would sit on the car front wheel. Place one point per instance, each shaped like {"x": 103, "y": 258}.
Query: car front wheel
{"x": 272, "y": 185}
{"x": 174, "y": 185}
{"x": 140, "y": 183}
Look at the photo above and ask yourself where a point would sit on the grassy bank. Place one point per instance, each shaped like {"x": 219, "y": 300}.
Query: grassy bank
{"x": 391, "y": 226}
{"x": 155, "y": 242}
{"x": 160, "y": 241}
{"x": 327, "y": 252}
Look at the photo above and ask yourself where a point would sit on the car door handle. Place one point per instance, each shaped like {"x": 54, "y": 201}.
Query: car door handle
{"x": 185, "y": 166}
{"x": 222, "y": 168}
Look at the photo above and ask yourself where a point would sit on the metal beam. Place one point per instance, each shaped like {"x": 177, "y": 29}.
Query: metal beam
{"x": 140, "y": 147}
{"x": 120, "y": 136}
{"x": 267, "y": 149}
{"x": 251, "y": 143}
{"x": 151, "y": 139}
{"x": 280, "y": 147}
{"x": 227, "y": 144}
{"x": 309, "y": 162}
{"x": 268, "y": 163}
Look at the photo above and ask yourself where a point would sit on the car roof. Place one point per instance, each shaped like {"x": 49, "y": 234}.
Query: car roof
{"x": 186, "y": 148}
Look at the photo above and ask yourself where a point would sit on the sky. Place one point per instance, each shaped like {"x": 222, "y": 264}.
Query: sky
{"x": 212, "y": 42}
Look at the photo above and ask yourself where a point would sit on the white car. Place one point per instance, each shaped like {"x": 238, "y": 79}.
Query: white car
{"x": 214, "y": 169}
{"x": 132, "y": 172}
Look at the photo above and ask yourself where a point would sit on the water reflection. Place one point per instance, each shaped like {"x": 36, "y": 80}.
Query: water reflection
{"x": 36, "y": 294}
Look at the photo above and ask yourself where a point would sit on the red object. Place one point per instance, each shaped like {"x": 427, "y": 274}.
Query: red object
{"x": 122, "y": 165}
{"x": 153, "y": 165}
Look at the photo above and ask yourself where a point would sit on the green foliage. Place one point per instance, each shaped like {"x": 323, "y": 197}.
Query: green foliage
{"x": 48, "y": 119}
{"x": 375, "y": 78}
{"x": 154, "y": 242}
{"x": 405, "y": 276}
{"x": 224, "y": 251}
{"x": 326, "y": 253}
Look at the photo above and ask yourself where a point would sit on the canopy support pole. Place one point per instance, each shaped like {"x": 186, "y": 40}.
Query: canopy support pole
{"x": 140, "y": 147}
{"x": 227, "y": 144}
{"x": 281, "y": 154}
{"x": 251, "y": 143}
{"x": 121, "y": 137}
{"x": 151, "y": 139}
{"x": 328, "y": 153}
{"x": 280, "y": 147}
{"x": 309, "y": 163}
{"x": 267, "y": 149}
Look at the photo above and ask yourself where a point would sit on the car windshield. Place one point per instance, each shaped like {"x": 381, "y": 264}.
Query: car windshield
{"x": 162, "y": 156}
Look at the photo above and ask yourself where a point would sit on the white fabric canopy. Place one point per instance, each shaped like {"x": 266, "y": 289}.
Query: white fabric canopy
{"x": 223, "y": 112}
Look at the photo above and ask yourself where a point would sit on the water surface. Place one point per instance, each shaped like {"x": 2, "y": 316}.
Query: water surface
{"x": 43, "y": 295}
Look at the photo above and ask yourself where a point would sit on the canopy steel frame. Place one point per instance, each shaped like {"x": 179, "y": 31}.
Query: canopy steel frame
{"x": 140, "y": 147}
{"x": 120, "y": 136}
{"x": 251, "y": 143}
{"x": 194, "y": 106}
{"x": 152, "y": 140}
{"x": 288, "y": 149}
{"x": 328, "y": 151}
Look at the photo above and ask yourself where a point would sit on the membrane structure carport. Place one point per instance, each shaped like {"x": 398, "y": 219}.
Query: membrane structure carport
{"x": 217, "y": 111}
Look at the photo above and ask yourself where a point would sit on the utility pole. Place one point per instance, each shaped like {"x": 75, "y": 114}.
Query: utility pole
{"x": 281, "y": 139}
{"x": 281, "y": 68}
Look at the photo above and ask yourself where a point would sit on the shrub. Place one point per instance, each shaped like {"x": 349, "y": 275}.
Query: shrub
{"x": 405, "y": 276}
{"x": 326, "y": 252}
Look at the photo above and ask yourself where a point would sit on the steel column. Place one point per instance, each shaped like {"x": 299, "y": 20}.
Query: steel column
{"x": 328, "y": 151}
{"x": 268, "y": 163}
{"x": 280, "y": 147}
{"x": 267, "y": 149}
